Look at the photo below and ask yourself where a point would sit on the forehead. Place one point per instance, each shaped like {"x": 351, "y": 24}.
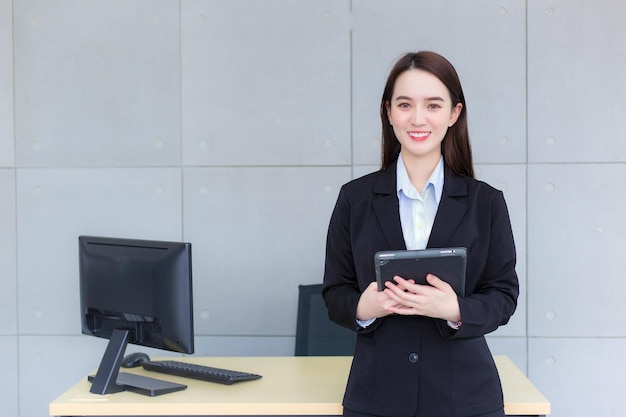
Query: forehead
{"x": 418, "y": 84}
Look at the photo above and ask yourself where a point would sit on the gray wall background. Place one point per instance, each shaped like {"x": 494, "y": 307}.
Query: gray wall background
{"x": 233, "y": 123}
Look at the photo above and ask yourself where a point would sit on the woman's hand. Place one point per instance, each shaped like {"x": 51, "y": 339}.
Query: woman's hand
{"x": 437, "y": 300}
{"x": 373, "y": 303}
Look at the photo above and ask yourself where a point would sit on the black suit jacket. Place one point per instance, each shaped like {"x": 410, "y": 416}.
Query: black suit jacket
{"x": 418, "y": 366}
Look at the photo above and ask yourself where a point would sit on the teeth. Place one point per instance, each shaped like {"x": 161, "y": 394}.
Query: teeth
{"x": 418, "y": 135}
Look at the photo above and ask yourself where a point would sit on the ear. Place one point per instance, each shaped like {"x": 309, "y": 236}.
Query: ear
{"x": 454, "y": 114}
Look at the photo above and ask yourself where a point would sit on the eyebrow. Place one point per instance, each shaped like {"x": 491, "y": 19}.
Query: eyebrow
{"x": 436, "y": 98}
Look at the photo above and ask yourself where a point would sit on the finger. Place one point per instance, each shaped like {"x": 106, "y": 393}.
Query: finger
{"x": 399, "y": 280}
{"x": 391, "y": 293}
{"x": 404, "y": 284}
{"x": 403, "y": 310}
{"x": 412, "y": 287}
{"x": 438, "y": 282}
{"x": 397, "y": 296}
{"x": 372, "y": 287}
{"x": 395, "y": 286}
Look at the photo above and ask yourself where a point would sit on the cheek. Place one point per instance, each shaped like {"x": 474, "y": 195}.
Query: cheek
{"x": 440, "y": 121}
{"x": 397, "y": 118}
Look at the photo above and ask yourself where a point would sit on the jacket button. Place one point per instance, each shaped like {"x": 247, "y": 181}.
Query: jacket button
{"x": 413, "y": 357}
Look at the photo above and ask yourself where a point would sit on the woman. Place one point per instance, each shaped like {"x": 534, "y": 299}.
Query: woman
{"x": 420, "y": 349}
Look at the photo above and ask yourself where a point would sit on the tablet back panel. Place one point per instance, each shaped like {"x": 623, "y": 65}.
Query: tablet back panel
{"x": 449, "y": 264}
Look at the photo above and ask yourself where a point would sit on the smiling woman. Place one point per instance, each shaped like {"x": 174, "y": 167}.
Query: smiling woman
{"x": 421, "y": 349}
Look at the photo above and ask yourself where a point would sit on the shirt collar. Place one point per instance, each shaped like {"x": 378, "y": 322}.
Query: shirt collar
{"x": 403, "y": 184}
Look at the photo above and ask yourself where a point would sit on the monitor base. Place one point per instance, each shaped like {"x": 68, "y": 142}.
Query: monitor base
{"x": 109, "y": 380}
{"x": 144, "y": 385}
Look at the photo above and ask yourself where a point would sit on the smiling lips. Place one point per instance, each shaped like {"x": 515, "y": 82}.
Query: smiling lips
{"x": 419, "y": 136}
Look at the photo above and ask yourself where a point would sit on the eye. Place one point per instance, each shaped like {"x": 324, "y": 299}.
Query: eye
{"x": 404, "y": 105}
{"x": 434, "y": 106}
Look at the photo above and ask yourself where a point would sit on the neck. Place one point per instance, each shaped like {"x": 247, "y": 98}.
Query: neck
{"x": 420, "y": 168}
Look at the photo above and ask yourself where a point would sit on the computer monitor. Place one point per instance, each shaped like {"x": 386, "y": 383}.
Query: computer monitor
{"x": 140, "y": 292}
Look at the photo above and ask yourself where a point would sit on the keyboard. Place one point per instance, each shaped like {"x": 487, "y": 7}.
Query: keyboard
{"x": 204, "y": 373}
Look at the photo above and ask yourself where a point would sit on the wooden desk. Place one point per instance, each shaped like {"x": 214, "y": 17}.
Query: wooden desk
{"x": 305, "y": 385}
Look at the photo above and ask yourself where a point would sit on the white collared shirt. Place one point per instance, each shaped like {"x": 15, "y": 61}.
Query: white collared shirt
{"x": 417, "y": 211}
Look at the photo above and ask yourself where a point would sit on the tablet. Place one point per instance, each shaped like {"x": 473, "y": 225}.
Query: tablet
{"x": 447, "y": 263}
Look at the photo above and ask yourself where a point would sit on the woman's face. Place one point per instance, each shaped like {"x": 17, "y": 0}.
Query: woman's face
{"x": 420, "y": 112}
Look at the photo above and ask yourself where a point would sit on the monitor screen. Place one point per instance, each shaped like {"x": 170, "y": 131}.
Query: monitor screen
{"x": 136, "y": 291}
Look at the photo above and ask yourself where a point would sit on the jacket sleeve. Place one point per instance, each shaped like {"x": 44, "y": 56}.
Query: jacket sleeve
{"x": 494, "y": 299}
{"x": 340, "y": 289}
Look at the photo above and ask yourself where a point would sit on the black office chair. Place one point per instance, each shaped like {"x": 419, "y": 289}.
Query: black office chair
{"x": 316, "y": 335}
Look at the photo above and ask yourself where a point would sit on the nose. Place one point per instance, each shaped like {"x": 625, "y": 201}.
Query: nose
{"x": 417, "y": 117}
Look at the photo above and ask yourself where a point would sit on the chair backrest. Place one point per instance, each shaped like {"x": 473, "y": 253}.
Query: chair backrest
{"x": 316, "y": 334}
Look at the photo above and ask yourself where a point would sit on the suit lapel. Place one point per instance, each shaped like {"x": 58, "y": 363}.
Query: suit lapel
{"x": 452, "y": 208}
{"x": 386, "y": 208}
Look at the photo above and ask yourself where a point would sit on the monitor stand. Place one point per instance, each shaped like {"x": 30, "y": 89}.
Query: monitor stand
{"x": 109, "y": 380}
